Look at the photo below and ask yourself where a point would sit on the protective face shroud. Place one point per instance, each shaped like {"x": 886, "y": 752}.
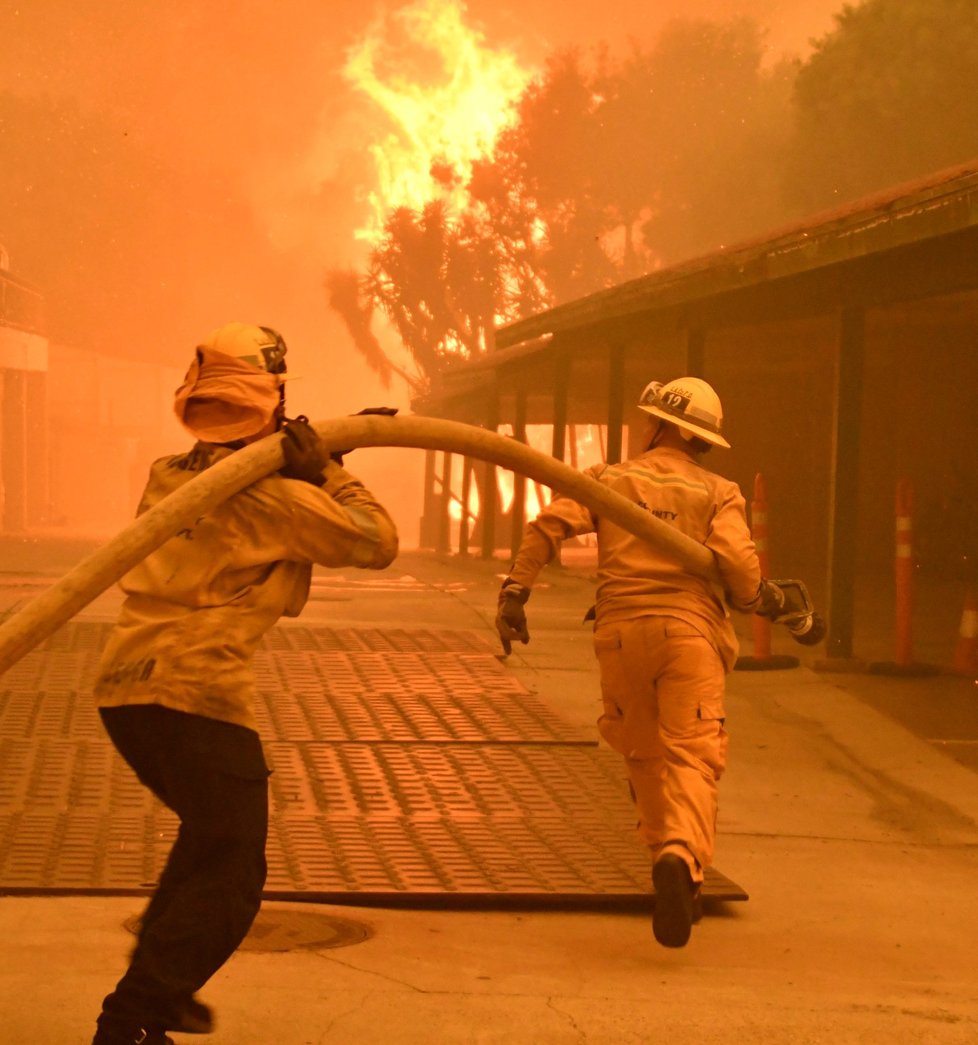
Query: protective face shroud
{"x": 233, "y": 388}
{"x": 690, "y": 404}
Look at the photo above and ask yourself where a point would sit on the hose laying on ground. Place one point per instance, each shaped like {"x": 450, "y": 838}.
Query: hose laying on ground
{"x": 43, "y": 615}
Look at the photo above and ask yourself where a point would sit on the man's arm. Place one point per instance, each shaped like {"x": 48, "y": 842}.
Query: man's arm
{"x": 336, "y": 521}
{"x": 338, "y": 524}
{"x": 561, "y": 519}
{"x": 736, "y": 557}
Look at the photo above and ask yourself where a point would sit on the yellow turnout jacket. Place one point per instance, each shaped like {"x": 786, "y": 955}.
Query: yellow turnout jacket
{"x": 635, "y": 579}
{"x": 197, "y": 607}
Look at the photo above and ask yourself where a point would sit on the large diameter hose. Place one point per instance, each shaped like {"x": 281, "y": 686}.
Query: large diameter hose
{"x": 43, "y": 615}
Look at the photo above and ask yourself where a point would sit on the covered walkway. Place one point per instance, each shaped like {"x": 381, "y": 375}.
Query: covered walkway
{"x": 845, "y": 351}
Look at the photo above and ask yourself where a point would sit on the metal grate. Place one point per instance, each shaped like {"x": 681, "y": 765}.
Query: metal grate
{"x": 406, "y": 763}
{"x": 374, "y": 640}
{"x": 398, "y": 696}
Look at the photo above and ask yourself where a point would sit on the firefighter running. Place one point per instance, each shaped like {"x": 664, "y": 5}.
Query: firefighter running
{"x": 662, "y": 636}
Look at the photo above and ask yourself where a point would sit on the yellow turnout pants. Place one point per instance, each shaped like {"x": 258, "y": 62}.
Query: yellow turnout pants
{"x": 662, "y": 685}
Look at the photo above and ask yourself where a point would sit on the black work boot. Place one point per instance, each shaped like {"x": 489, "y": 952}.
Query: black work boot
{"x": 191, "y": 1016}
{"x": 697, "y": 906}
{"x": 136, "y": 1036}
{"x": 672, "y": 918}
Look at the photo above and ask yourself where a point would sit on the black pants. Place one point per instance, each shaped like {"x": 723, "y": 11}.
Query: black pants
{"x": 214, "y": 777}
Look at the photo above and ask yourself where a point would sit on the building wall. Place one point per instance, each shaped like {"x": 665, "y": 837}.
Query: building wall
{"x": 108, "y": 419}
{"x": 919, "y": 422}
{"x": 23, "y": 425}
{"x": 77, "y": 429}
{"x": 775, "y": 383}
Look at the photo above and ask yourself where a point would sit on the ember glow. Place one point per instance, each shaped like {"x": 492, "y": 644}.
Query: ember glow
{"x": 584, "y": 446}
{"x": 446, "y": 94}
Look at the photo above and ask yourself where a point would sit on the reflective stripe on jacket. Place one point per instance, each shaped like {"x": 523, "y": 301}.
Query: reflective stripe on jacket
{"x": 634, "y": 578}
{"x": 197, "y": 607}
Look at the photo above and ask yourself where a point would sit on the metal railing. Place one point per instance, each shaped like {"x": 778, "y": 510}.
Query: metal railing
{"x": 21, "y": 305}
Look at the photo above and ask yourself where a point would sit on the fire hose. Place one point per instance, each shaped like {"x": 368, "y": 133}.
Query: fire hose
{"x": 42, "y": 616}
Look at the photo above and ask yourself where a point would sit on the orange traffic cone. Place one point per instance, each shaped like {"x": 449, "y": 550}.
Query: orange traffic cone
{"x": 966, "y": 651}
{"x": 763, "y": 659}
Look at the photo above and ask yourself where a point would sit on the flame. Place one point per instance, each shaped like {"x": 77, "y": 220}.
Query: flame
{"x": 585, "y": 443}
{"x": 455, "y": 504}
{"x": 447, "y": 95}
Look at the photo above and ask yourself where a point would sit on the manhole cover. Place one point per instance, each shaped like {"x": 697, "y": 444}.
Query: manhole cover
{"x": 283, "y": 929}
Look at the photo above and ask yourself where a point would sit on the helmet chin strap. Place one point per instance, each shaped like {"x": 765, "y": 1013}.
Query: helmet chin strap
{"x": 660, "y": 428}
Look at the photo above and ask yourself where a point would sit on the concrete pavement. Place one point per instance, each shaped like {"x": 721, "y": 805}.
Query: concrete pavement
{"x": 856, "y": 838}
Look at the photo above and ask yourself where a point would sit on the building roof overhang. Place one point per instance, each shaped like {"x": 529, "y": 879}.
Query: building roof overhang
{"x": 814, "y": 259}
{"x": 906, "y": 214}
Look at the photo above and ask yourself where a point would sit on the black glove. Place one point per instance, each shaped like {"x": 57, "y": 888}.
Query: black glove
{"x": 510, "y": 615}
{"x": 772, "y": 601}
{"x": 305, "y": 457}
{"x": 384, "y": 411}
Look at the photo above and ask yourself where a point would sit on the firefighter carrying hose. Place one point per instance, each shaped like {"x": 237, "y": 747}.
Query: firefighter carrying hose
{"x": 175, "y": 684}
{"x": 662, "y": 636}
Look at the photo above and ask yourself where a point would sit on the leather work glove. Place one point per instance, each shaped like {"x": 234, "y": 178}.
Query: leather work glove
{"x": 772, "y": 600}
{"x": 384, "y": 411}
{"x": 305, "y": 457}
{"x": 510, "y": 615}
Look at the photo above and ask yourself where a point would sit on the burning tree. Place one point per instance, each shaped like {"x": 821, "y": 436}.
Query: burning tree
{"x": 595, "y": 172}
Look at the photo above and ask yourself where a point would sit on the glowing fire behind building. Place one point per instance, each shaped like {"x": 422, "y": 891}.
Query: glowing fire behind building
{"x": 445, "y": 95}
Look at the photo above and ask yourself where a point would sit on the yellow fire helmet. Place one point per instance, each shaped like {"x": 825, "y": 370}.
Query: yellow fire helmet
{"x": 263, "y": 347}
{"x": 233, "y": 387}
{"x": 690, "y": 404}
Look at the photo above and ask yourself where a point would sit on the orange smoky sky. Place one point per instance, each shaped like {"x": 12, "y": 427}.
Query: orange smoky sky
{"x": 266, "y": 145}
{"x": 256, "y": 106}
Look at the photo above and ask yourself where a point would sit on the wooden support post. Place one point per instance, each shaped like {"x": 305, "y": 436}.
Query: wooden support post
{"x": 844, "y": 487}
{"x": 561, "y": 386}
{"x": 428, "y": 527}
{"x": 561, "y": 391}
{"x": 465, "y": 525}
{"x": 488, "y": 496}
{"x": 616, "y": 401}
{"x": 444, "y": 545}
{"x": 518, "y": 514}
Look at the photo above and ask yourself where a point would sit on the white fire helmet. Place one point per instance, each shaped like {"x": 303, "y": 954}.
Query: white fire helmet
{"x": 690, "y": 404}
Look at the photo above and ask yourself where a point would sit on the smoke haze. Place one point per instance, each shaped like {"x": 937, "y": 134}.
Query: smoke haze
{"x": 212, "y": 168}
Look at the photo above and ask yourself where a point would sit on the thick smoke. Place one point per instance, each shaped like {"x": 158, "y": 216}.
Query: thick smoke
{"x": 166, "y": 168}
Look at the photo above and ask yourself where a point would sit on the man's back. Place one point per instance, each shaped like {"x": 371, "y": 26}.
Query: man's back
{"x": 198, "y": 606}
{"x": 636, "y": 578}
